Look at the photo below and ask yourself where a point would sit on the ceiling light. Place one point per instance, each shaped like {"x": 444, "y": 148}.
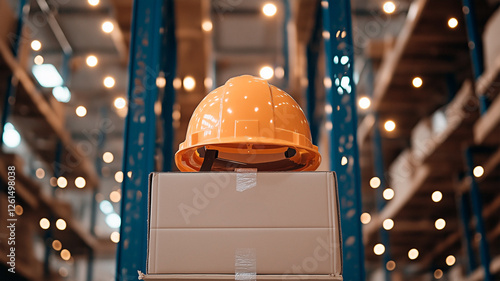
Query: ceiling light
{"x": 36, "y": 45}
{"x": 207, "y": 25}
{"x": 61, "y": 94}
{"x": 388, "y": 193}
{"x": 379, "y": 249}
{"x": 65, "y": 255}
{"x": 115, "y": 196}
{"x": 266, "y": 72}
{"x": 62, "y": 182}
{"x": 106, "y": 207}
{"x": 109, "y": 82}
{"x": 115, "y": 237}
{"x": 279, "y": 72}
{"x": 47, "y": 75}
{"x": 161, "y": 82}
{"x": 40, "y": 173}
{"x": 343, "y": 161}
{"x": 119, "y": 176}
{"x": 44, "y": 223}
{"x": 437, "y": 196}
{"x": 450, "y": 260}
{"x": 389, "y": 7}
{"x": 325, "y": 34}
{"x": 120, "y": 103}
{"x": 365, "y": 218}
{"x": 328, "y": 108}
{"x": 61, "y": 224}
{"x": 375, "y": 182}
{"x": 38, "y": 60}
{"x": 364, "y": 103}
{"x": 327, "y": 82}
{"x": 478, "y": 171}
{"x": 417, "y": 82}
{"x": 81, "y": 111}
{"x": 390, "y": 265}
{"x": 389, "y": 125}
{"x": 93, "y": 2}
{"x": 11, "y": 137}
{"x": 208, "y": 82}
{"x": 19, "y": 210}
{"x": 113, "y": 220}
{"x": 57, "y": 245}
{"x": 91, "y": 61}
{"x": 269, "y": 9}
{"x": 329, "y": 125}
{"x": 177, "y": 83}
{"x": 388, "y": 224}
{"x": 413, "y": 254}
{"x": 80, "y": 182}
{"x": 438, "y": 274}
{"x": 108, "y": 157}
{"x": 176, "y": 115}
{"x": 107, "y": 27}
{"x": 452, "y": 23}
{"x": 189, "y": 83}
{"x": 440, "y": 224}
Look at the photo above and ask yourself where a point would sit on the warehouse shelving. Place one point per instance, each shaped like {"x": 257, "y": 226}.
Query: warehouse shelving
{"x": 421, "y": 158}
{"x": 40, "y": 120}
{"x": 42, "y": 126}
{"x": 489, "y": 123}
{"x": 75, "y": 236}
{"x": 418, "y": 171}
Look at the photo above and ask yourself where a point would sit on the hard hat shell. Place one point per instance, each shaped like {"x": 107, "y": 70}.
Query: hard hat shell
{"x": 251, "y": 124}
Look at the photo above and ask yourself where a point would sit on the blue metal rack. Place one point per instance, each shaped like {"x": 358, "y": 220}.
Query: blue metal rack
{"x": 342, "y": 122}
{"x": 477, "y": 210}
{"x": 11, "y": 89}
{"x": 475, "y": 47}
{"x": 312, "y": 54}
{"x": 151, "y": 28}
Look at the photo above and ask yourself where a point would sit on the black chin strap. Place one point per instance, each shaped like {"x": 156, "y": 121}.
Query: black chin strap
{"x": 212, "y": 162}
{"x": 208, "y": 160}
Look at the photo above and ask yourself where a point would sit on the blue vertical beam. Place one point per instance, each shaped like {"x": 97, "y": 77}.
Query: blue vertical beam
{"x": 341, "y": 96}
{"x": 10, "y": 90}
{"x": 379, "y": 167}
{"x": 139, "y": 136}
{"x": 168, "y": 67}
{"x": 378, "y": 162}
{"x": 464, "y": 209}
{"x": 475, "y": 47}
{"x": 477, "y": 210}
{"x": 312, "y": 54}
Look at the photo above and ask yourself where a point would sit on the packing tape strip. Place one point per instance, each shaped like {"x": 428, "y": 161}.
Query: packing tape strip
{"x": 245, "y": 179}
{"x": 245, "y": 265}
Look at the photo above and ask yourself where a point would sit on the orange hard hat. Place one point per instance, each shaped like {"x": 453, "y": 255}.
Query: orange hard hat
{"x": 250, "y": 124}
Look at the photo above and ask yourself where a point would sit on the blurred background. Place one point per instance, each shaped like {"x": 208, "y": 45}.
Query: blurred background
{"x": 426, "y": 76}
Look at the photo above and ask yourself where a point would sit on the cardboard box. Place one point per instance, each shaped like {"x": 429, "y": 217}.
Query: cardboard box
{"x": 244, "y": 226}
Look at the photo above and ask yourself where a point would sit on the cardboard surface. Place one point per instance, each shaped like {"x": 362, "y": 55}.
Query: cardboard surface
{"x": 286, "y": 223}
